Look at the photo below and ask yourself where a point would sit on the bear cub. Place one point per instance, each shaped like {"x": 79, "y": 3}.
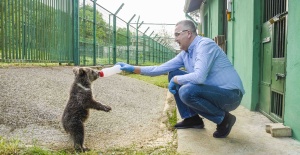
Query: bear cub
{"x": 80, "y": 101}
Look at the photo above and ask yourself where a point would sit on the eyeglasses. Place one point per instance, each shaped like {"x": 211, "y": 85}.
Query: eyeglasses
{"x": 178, "y": 33}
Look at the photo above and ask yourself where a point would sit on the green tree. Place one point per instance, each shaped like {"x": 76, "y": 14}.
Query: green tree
{"x": 121, "y": 36}
{"x": 86, "y": 16}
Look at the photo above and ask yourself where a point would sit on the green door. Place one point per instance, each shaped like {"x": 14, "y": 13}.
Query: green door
{"x": 266, "y": 65}
{"x": 273, "y": 67}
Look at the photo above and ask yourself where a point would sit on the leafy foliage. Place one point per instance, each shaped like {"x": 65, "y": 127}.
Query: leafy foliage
{"x": 86, "y": 14}
{"x": 122, "y": 36}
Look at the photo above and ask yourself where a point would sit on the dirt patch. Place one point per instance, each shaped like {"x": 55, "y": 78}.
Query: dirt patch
{"x": 33, "y": 99}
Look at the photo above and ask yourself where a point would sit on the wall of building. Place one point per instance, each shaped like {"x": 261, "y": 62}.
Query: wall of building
{"x": 243, "y": 47}
{"x": 243, "y": 43}
{"x": 211, "y": 10}
{"x": 243, "y": 50}
{"x": 292, "y": 93}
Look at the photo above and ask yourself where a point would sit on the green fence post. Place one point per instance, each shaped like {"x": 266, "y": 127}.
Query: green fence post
{"x": 115, "y": 35}
{"x": 160, "y": 51}
{"x": 83, "y": 34}
{"x": 154, "y": 48}
{"x": 76, "y": 32}
{"x": 144, "y": 42}
{"x": 114, "y": 39}
{"x": 109, "y": 24}
{"x": 94, "y": 35}
{"x": 137, "y": 41}
{"x": 150, "y": 47}
{"x": 128, "y": 37}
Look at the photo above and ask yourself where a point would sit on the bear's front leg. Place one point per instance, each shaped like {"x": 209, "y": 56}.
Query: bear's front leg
{"x": 98, "y": 106}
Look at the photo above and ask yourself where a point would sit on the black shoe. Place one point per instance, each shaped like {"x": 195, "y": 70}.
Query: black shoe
{"x": 192, "y": 122}
{"x": 224, "y": 128}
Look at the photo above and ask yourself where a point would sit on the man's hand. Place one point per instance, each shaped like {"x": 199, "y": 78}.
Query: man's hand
{"x": 173, "y": 87}
{"x": 125, "y": 67}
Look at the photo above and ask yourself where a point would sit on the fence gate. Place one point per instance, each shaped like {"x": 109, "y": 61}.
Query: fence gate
{"x": 273, "y": 59}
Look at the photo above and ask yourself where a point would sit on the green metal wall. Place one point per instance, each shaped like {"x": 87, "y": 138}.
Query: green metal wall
{"x": 243, "y": 49}
{"x": 292, "y": 97}
{"x": 242, "y": 41}
{"x": 244, "y": 45}
{"x": 213, "y": 25}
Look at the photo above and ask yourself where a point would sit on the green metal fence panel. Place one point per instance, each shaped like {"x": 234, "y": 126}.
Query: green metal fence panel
{"x": 78, "y": 31}
{"x": 115, "y": 39}
{"x": 36, "y": 31}
{"x": 95, "y": 45}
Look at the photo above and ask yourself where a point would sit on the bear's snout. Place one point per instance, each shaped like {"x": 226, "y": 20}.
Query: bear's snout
{"x": 96, "y": 74}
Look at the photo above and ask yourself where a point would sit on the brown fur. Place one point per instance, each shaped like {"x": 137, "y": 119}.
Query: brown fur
{"x": 80, "y": 101}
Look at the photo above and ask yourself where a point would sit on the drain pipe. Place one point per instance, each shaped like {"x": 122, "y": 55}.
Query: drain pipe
{"x": 188, "y": 16}
{"x": 233, "y": 40}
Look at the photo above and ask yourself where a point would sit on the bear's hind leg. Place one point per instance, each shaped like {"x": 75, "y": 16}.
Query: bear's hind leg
{"x": 78, "y": 137}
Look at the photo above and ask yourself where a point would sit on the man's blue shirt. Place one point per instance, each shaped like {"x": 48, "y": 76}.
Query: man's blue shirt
{"x": 205, "y": 63}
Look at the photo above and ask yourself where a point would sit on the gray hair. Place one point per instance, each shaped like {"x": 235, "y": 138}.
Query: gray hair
{"x": 188, "y": 25}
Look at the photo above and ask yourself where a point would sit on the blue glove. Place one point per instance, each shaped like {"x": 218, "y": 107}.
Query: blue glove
{"x": 173, "y": 87}
{"x": 125, "y": 67}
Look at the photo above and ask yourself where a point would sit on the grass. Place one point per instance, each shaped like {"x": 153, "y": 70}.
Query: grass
{"x": 15, "y": 147}
{"x": 142, "y": 151}
{"x": 172, "y": 118}
{"x": 9, "y": 147}
{"x": 161, "y": 81}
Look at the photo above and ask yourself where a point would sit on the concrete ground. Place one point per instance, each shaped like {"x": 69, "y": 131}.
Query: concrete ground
{"x": 248, "y": 137}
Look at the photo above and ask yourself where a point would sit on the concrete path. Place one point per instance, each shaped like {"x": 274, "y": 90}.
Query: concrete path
{"x": 248, "y": 137}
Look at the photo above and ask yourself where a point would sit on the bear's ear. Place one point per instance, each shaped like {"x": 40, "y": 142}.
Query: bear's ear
{"x": 81, "y": 71}
{"x": 76, "y": 70}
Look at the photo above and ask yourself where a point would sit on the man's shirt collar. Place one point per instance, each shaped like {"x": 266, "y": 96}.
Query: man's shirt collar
{"x": 193, "y": 44}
